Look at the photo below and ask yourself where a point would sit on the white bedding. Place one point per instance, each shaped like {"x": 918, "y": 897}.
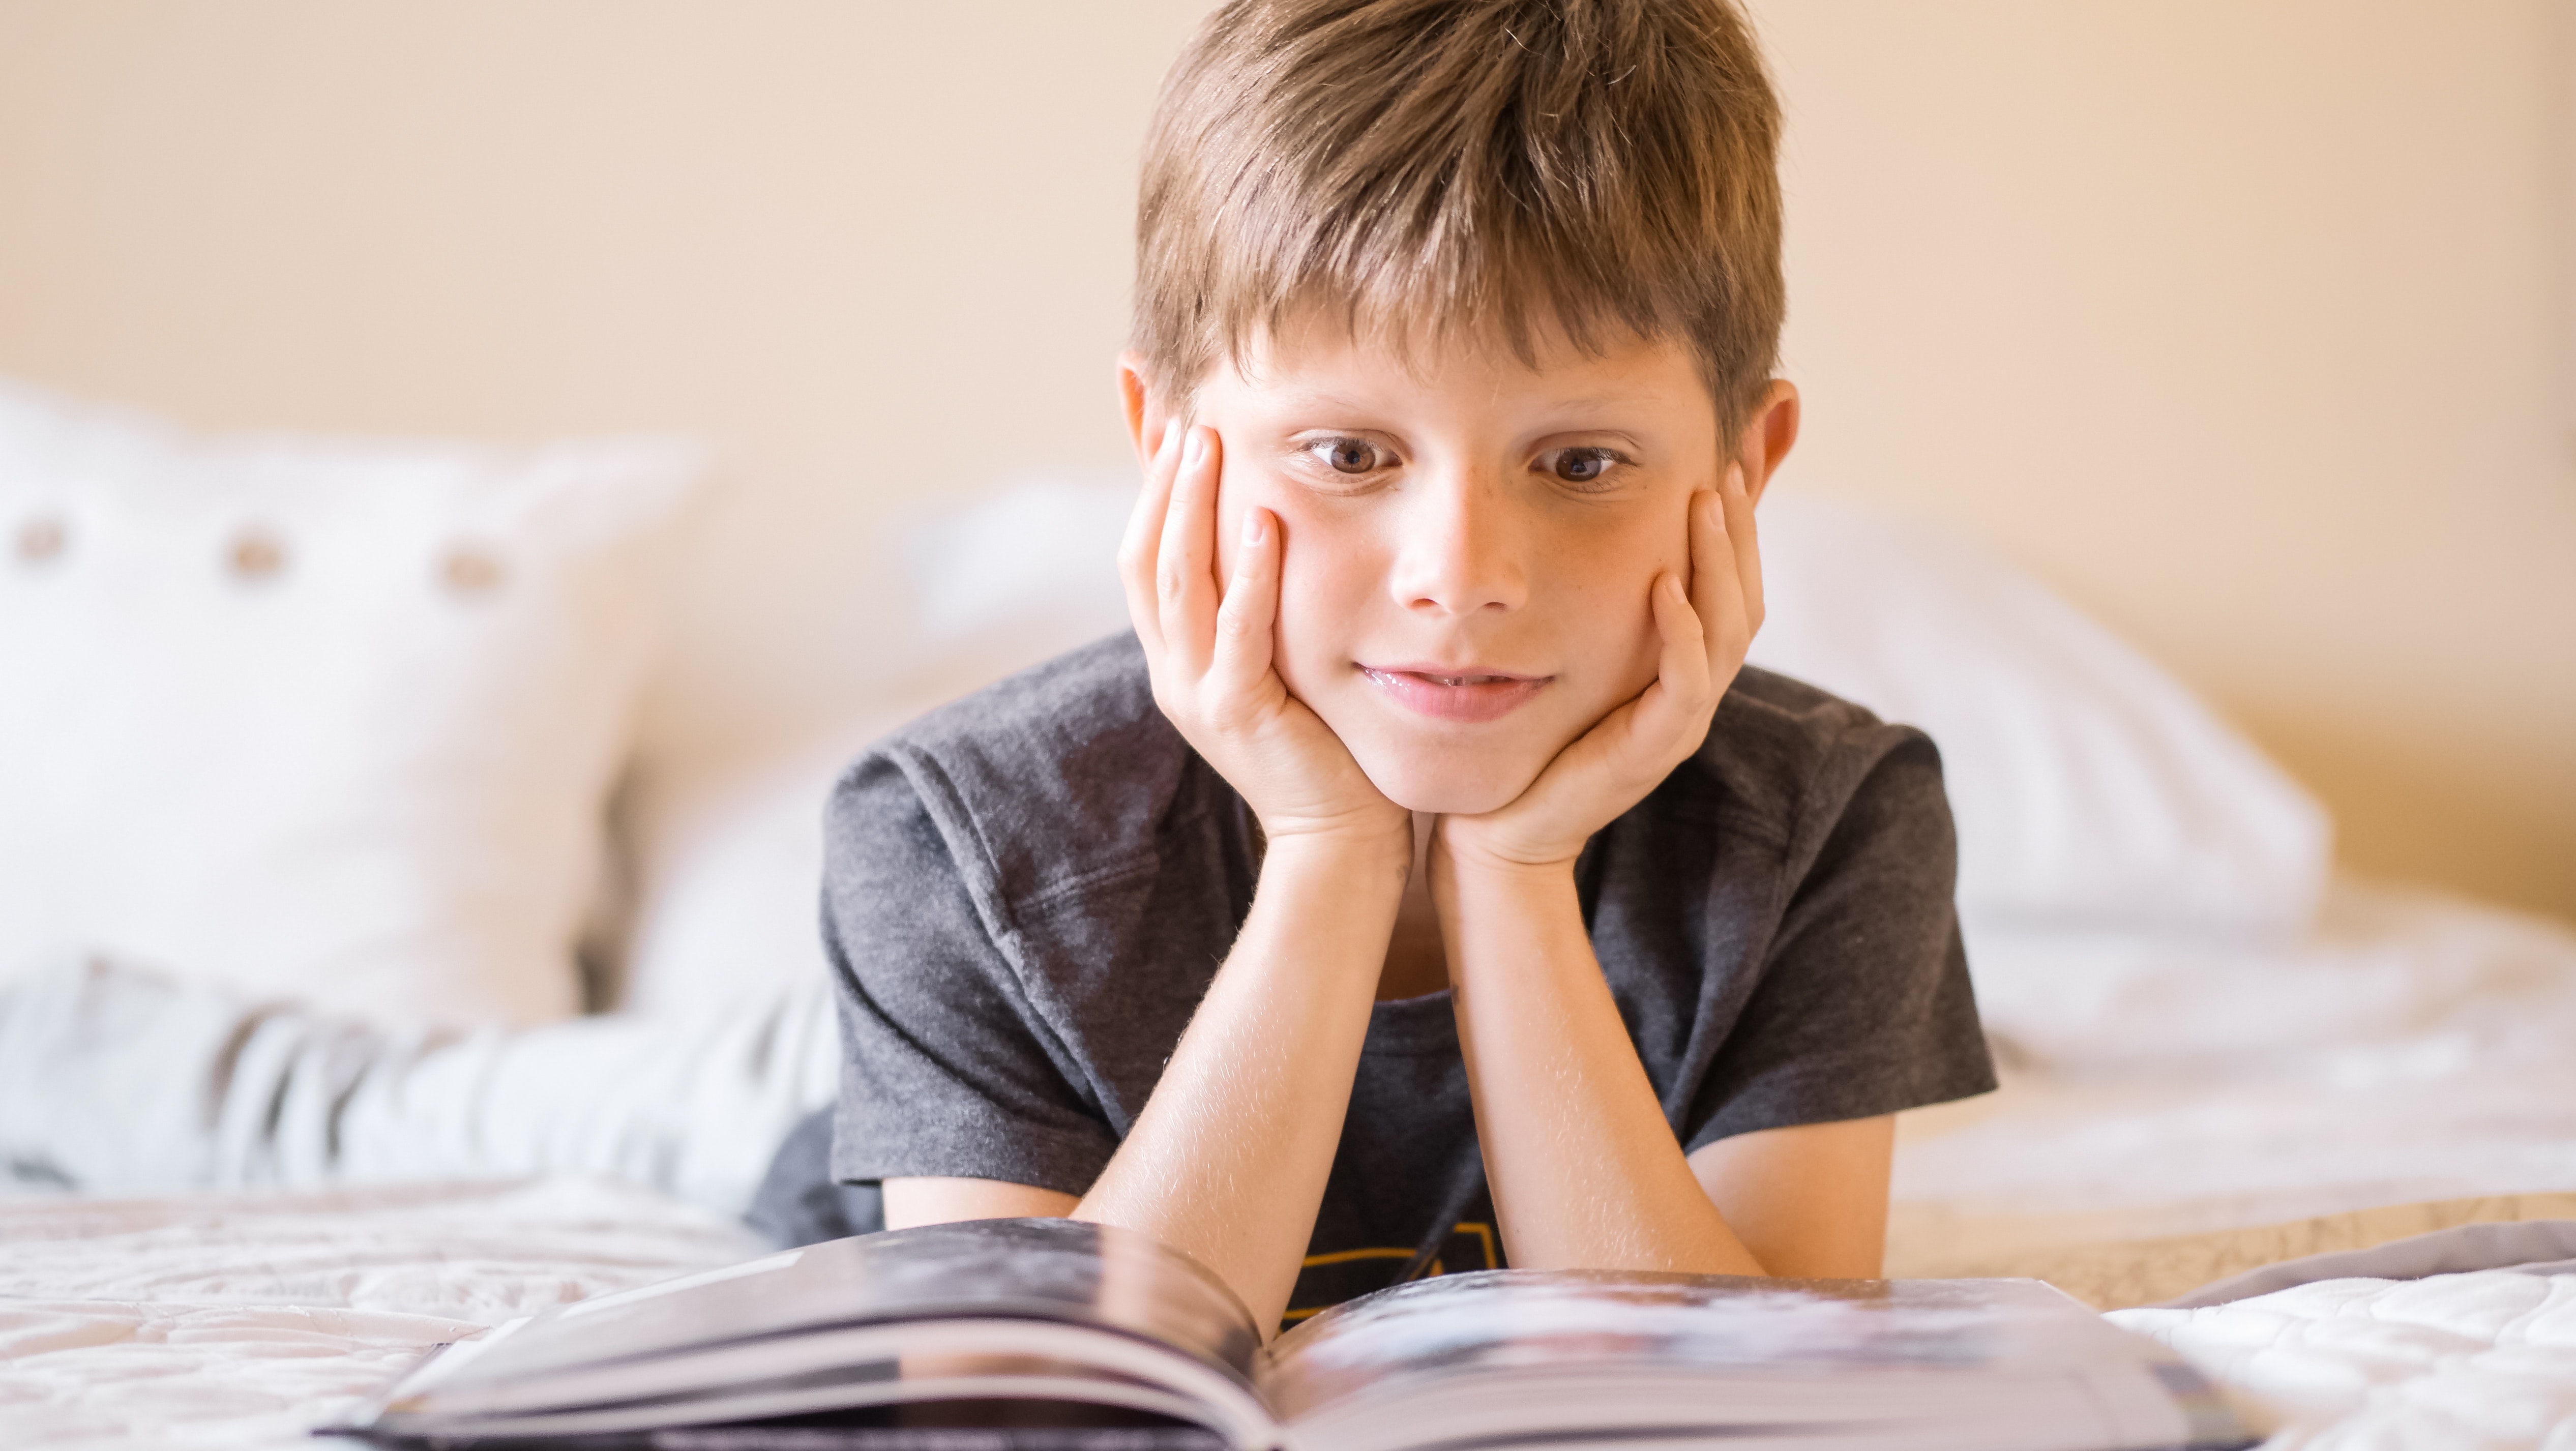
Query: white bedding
{"x": 121, "y": 1081}
{"x": 2415, "y": 1047}
{"x": 244, "y": 1320}
{"x": 2467, "y": 1362}
{"x": 2412, "y": 1048}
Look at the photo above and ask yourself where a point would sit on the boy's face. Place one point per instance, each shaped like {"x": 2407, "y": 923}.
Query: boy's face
{"x": 1470, "y": 542}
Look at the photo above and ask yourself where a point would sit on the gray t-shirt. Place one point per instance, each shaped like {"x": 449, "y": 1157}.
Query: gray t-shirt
{"x": 1027, "y": 892}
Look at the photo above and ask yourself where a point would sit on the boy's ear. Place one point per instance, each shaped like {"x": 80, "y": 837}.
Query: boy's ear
{"x": 1769, "y": 433}
{"x": 1144, "y": 415}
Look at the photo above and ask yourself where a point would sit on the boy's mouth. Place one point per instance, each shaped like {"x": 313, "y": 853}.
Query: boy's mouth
{"x": 1446, "y": 693}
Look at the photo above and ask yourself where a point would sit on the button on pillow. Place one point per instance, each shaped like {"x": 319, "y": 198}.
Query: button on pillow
{"x": 326, "y": 721}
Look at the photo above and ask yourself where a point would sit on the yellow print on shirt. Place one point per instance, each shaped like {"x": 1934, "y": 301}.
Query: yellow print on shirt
{"x": 1325, "y": 1280}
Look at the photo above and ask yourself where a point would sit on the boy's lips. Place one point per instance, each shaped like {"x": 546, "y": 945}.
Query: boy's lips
{"x": 1460, "y": 693}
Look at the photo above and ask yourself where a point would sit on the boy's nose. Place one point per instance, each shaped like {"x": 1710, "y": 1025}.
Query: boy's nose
{"x": 1459, "y": 551}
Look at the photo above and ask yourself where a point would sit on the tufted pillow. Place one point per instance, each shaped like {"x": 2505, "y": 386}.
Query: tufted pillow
{"x": 321, "y": 720}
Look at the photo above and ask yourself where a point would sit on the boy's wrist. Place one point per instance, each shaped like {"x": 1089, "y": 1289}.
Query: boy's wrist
{"x": 1499, "y": 913}
{"x": 1369, "y": 849}
{"x": 1470, "y": 877}
{"x": 1463, "y": 848}
{"x": 1326, "y": 903}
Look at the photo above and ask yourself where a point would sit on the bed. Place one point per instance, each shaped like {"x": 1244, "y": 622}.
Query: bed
{"x": 2317, "y": 1133}
{"x": 241, "y": 1317}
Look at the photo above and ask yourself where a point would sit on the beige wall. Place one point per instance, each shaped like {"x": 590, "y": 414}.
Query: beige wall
{"x": 876, "y": 252}
{"x": 2244, "y": 323}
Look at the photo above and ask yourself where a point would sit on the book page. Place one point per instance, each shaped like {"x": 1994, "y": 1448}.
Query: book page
{"x": 1711, "y": 1354}
{"x": 1044, "y": 1268}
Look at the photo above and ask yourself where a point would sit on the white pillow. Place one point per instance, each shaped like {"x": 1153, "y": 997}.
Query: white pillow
{"x": 731, "y": 880}
{"x": 729, "y": 843}
{"x": 1019, "y": 576}
{"x": 330, "y": 721}
{"x": 2091, "y": 789}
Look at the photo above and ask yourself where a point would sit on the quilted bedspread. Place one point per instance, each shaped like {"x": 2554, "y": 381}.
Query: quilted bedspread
{"x": 244, "y": 1320}
{"x": 2480, "y": 1360}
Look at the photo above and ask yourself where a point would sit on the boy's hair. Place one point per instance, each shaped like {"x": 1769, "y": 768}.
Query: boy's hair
{"x": 1429, "y": 166}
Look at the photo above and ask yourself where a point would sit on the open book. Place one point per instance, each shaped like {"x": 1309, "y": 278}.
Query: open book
{"x": 1040, "y": 1333}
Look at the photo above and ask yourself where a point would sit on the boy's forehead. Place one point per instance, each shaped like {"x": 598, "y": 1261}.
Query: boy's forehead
{"x": 1334, "y": 368}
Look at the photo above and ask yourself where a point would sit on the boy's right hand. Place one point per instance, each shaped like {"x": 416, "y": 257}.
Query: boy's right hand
{"x": 1211, "y": 657}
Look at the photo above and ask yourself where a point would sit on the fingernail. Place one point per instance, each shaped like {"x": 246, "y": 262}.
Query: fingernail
{"x": 1196, "y": 452}
{"x": 1256, "y": 528}
{"x": 1735, "y": 477}
{"x": 1171, "y": 431}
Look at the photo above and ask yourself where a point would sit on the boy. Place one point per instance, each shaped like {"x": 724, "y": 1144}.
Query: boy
{"x": 1423, "y": 885}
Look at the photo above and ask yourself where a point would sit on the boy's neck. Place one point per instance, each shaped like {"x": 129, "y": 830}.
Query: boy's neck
{"x": 1416, "y": 960}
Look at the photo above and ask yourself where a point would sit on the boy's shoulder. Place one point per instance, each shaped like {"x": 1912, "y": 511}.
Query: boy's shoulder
{"x": 1066, "y": 771}
{"x": 1085, "y": 710}
{"x": 1782, "y": 752}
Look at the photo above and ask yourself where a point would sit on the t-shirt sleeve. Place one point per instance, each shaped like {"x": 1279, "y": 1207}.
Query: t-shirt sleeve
{"x": 947, "y": 1070}
{"x": 1863, "y": 1006}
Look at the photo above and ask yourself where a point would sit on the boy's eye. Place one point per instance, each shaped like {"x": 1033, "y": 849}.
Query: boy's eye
{"x": 1349, "y": 455}
{"x": 1580, "y": 465}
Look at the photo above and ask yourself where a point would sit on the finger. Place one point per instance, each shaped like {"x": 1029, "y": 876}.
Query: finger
{"x": 1744, "y": 535}
{"x": 1241, "y": 664}
{"x": 1636, "y": 745}
{"x": 1185, "y": 561}
{"x": 1682, "y": 670}
{"x": 1138, "y": 548}
{"x": 1717, "y": 586}
{"x": 1639, "y": 742}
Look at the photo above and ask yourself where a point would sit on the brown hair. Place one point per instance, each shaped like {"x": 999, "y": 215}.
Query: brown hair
{"x": 1411, "y": 166}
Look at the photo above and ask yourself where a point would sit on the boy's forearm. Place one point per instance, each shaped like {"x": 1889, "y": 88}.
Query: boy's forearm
{"x": 1227, "y": 1162}
{"x": 1584, "y": 1168}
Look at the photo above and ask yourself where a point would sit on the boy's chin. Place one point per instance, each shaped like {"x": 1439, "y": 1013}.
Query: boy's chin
{"x": 1446, "y": 787}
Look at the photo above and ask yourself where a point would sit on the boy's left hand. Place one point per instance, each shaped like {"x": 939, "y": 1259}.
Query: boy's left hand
{"x": 1705, "y": 631}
